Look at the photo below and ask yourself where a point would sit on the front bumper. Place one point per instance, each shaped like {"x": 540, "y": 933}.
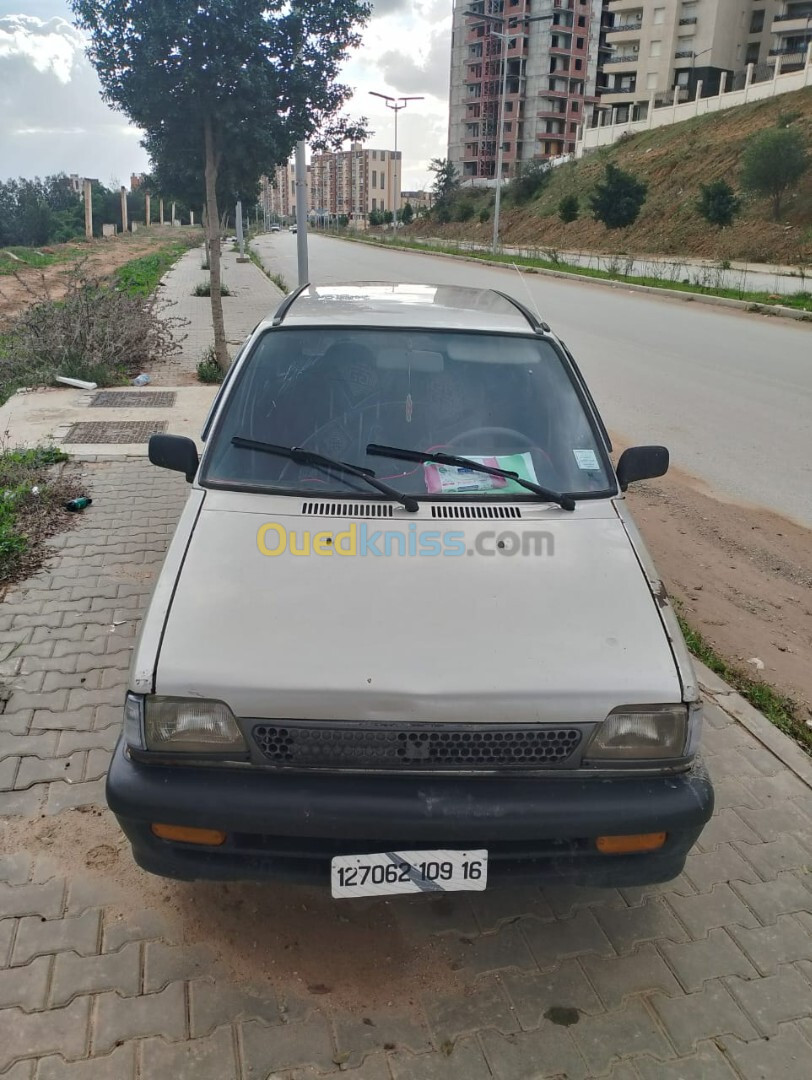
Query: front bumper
{"x": 290, "y": 826}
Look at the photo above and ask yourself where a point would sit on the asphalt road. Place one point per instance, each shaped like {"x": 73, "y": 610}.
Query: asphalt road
{"x": 729, "y": 393}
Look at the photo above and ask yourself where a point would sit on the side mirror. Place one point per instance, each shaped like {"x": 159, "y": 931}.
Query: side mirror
{"x": 174, "y": 452}
{"x": 638, "y": 463}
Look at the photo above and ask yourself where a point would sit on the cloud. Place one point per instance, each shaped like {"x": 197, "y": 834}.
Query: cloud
{"x": 427, "y": 76}
{"x": 389, "y": 7}
{"x": 52, "y": 118}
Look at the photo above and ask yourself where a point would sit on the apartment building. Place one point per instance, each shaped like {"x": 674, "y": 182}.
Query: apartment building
{"x": 355, "y": 182}
{"x": 551, "y": 48}
{"x": 663, "y": 51}
{"x": 278, "y": 192}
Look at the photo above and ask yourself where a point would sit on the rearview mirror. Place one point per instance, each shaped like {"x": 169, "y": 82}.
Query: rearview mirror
{"x": 641, "y": 463}
{"x": 174, "y": 452}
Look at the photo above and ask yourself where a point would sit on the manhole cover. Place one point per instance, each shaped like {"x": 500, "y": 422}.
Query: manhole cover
{"x": 114, "y": 431}
{"x": 134, "y": 399}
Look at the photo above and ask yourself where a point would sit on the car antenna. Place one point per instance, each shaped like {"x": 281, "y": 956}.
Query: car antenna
{"x": 533, "y": 303}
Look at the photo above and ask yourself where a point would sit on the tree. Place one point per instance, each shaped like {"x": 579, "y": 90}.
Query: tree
{"x": 717, "y": 203}
{"x": 406, "y": 215}
{"x": 375, "y": 218}
{"x": 531, "y": 177}
{"x": 568, "y": 208}
{"x": 618, "y": 198}
{"x": 387, "y": 217}
{"x": 224, "y": 85}
{"x": 446, "y": 179}
{"x": 463, "y": 210}
{"x": 772, "y": 163}
{"x": 343, "y": 221}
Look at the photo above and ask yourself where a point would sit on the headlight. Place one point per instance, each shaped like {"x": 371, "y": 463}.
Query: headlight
{"x": 640, "y": 732}
{"x": 183, "y": 725}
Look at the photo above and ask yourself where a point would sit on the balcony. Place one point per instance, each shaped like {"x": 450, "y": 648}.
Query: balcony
{"x": 684, "y": 54}
{"x": 624, "y": 30}
{"x": 625, "y": 5}
{"x": 792, "y": 50}
{"x": 551, "y": 114}
{"x": 628, "y": 58}
{"x": 688, "y": 21}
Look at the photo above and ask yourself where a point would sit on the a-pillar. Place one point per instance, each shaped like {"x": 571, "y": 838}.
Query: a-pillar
{"x": 161, "y": 211}
{"x": 88, "y": 193}
{"x": 124, "y": 222}
{"x": 147, "y": 214}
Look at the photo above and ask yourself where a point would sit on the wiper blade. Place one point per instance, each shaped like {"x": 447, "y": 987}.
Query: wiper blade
{"x": 566, "y": 502}
{"x": 309, "y": 457}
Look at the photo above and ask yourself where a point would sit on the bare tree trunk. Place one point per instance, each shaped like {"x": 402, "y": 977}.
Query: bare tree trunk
{"x": 212, "y": 222}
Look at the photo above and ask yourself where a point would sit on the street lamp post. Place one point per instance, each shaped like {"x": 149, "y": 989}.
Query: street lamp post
{"x": 396, "y": 104}
{"x": 508, "y": 23}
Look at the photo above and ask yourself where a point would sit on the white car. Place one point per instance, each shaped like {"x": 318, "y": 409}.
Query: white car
{"x": 407, "y": 636}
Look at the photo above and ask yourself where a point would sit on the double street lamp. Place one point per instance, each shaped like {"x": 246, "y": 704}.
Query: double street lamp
{"x": 508, "y": 23}
{"x": 396, "y": 104}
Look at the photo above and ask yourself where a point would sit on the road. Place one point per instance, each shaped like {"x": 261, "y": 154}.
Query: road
{"x": 729, "y": 393}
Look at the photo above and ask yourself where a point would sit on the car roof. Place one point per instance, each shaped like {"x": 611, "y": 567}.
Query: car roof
{"x": 390, "y": 304}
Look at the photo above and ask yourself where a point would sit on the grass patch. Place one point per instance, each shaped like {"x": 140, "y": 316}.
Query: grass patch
{"x": 32, "y": 507}
{"x": 779, "y": 709}
{"x": 203, "y": 288}
{"x": 800, "y": 301}
{"x": 22, "y": 258}
{"x": 208, "y": 370}
{"x": 140, "y": 277}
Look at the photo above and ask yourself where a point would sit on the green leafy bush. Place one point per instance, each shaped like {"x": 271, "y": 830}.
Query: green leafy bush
{"x": 568, "y": 208}
{"x": 717, "y": 203}
{"x": 618, "y": 198}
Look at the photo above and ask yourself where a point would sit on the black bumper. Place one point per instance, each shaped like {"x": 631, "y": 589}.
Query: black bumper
{"x": 290, "y": 826}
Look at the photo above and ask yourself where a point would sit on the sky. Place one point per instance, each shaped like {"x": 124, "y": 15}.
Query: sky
{"x": 52, "y": 118}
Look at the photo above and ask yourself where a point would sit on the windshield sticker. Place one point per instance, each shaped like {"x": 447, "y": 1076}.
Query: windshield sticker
{"x": 586, "y": 460}
{"x": 443, "y": 479}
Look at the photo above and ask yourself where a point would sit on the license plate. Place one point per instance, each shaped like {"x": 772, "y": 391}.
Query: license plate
{"x": 409, "y": 872}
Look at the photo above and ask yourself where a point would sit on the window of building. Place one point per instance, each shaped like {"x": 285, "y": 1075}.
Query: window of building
{"x": 582, "y": 20}
{"x": 658, "y": 17}
{"x": 374, "y": 178}
{"x": 574, "y": 106}
{"x": 509, "y": 126}
{"x": 383, "y": 177}
{"x": 374, "y": 155}
{"x": 578, "y": 64}
{"x": 573, "y": 128}
{"x": 756, "y": 22}
{"x": 508, "y": 106}
{"x": 374, "y": 204}
{"x": 682, "y": 79}
{"x": 656, "y": 48}
{"x": 651, "y": 80}
{"x": 579, "y": 43}
{"x": 751, "y": 55}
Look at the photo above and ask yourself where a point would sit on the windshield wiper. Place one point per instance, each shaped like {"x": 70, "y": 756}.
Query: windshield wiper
{"x": 374, "y": 450}
{"x": 309, "y": 457}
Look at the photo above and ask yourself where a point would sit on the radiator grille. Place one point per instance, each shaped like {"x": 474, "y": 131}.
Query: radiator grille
{"x": 419, "y": 747}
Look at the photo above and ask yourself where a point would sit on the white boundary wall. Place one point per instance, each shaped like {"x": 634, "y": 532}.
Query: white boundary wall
{"x": 592, "y": 138}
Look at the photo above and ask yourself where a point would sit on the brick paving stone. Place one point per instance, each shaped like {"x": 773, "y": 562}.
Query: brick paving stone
{"x": 63, "y": 796}
{"x": 784, "y": 1056}
{"x": 776, "y": 820}
{"x": 23, "y": 1070}
{"x": 266, "y": 1049}
{"x": 91, "y": 891}
{"x": 210, "y": 1001}
{"x": 771, "y": 859}
{"x": 724, "y": 864}
{"x": 774, "y": 999}
{"x": 724, "y": 826}
{"x": 565, "y": 900}
{"x": 120, "y": 1065}
{"x": 620, "y": 976}
{"x": 719, "y": 907}
{"x": 21, "y": 803}
{"x": 495, "y": 906}
{"x": 769, "y": 899}
{"x": 8, "y": 773}
{"x": 768, "y": 946}
{"x": 628, "y": 927}
{"x": 356, "y": 1036}
{"x": 213, "y": 1057}
{"x": 44, "y": 900}
{"x": 533, "y": 993}
{"x": 26, "y": 987}
{"x": 15, "y": 869}
{"x": 620, "y": 1035}
{"x": 164, "y": 964}
{"x": 552, "y": 942}
{"x": 35, "y": 770}
{"x": 708, "y": 1063}
{"x": 697, "y": 962}
{"x": 463, "y": 1061}
{"x": 547, "y": 1052}
{"x": 492, "y": 952}
{"x": 75, "y": 975}
{"x": 58, "y": 1031}
{"x": 120, "y": 1018}
{"x": 7, "y": 931}
{"x": 451, "y": 1015}
{"x": 706, "y": 1014}
{"x": 37, "y": 936}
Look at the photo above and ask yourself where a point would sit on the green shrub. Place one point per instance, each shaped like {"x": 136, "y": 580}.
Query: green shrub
{"x": 463, "y": 210}
{"x": 484, "y": 215}
{"x": 568, "y": 208}
{"x": 530, "y": 179}
{"x": 203, "y": 288}
{"x": 618, "y": 198}
{"x": 208, "y": 370}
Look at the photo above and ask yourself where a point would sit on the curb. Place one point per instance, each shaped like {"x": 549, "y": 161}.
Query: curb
{"x": 732, "y": 703}
{"x": 775, "y": 310}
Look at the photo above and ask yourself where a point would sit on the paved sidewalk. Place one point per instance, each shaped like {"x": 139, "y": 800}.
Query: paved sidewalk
{"x": 253, "y": 297}
{"x": 109, "y": 974}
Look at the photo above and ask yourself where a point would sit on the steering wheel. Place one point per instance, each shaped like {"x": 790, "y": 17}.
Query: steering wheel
{"x": 475, "y": 433}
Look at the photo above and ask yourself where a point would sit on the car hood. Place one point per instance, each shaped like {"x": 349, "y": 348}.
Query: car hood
{"x": 557, "y": 637}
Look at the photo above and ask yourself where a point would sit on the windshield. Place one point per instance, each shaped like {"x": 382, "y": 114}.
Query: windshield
{"x": 507, "y": 402}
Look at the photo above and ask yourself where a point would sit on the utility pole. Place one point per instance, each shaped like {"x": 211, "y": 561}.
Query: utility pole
{"x": 396, "y": 104}
{"x": 301, "y": 212}
{"x": 507, "y": 23}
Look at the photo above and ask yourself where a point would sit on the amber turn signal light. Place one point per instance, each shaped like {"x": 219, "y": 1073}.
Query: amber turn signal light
{"x": 187, "y": 835}
{"x": 622, "y": 845}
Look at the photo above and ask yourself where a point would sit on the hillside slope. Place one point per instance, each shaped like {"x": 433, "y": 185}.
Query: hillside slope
{"x": 673, "y": 161}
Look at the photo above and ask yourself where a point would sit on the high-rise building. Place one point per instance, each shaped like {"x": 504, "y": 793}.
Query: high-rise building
{"x": 551, "y": 51}
{"x": 667, "y": 50}
{"x": 278, "y": 192}
{"x": 355, "y": 182}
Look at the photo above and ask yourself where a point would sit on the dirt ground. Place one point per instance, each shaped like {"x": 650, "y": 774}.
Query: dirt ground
{"x": 743, "y": 575}
{"x": 103, "y": 257}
